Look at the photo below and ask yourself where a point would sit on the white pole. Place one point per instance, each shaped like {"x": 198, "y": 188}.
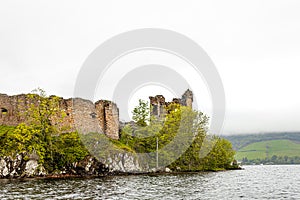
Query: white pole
{"x": 156, "y": 152}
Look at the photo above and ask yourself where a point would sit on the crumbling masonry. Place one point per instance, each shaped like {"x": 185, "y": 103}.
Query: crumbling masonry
{"x": 84, "y": 115}
{"x": 158, "y": 103}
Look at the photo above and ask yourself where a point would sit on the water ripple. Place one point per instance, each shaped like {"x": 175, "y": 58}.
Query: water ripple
{"x": 255, "y": 182}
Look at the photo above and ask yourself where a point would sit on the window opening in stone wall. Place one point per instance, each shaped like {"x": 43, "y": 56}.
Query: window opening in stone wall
{"x": 93, "y": 115}
{"x": 4, "y": 111}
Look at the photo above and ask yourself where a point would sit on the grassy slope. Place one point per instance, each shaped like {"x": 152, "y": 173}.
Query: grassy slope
{"x": 270, "y": 148}
{"x": 242, "y": 140}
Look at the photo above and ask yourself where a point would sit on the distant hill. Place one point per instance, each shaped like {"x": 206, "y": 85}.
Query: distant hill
{"x": 268, "y": 148}
{"x": 240, "y": 141}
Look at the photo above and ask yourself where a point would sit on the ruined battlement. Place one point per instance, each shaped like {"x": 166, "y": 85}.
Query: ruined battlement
{"x": 82, "y": 115}
{"x": 158, "y": 104}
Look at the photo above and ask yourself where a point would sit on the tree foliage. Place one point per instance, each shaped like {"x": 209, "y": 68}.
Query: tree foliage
{"x": 41, "y": 134}
{"x": 180, "y": 138}
{"x": 140, "y": 113}
{"x": 274, "y": 160}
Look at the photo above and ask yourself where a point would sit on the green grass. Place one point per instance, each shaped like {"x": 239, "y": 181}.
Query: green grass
{"x": 268, "y": 149}
{"x": 242, "y": 140}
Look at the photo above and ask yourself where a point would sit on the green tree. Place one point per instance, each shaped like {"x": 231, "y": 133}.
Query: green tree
{"x": 67, "y": 148}
{"x": 140, "y": 113}
{"x": 126, "y": 134}
{"x": 42, "y": 134}
{"x": 24, "y": 140}
{"x": 43, "y": 115}
{"x": 189, "y": 129}
{"x": 221, "y": 156}
{"x": 180, "y": 138}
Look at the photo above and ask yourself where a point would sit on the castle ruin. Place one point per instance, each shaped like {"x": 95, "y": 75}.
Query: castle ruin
{"x": 84, "y": 115}
{"x": 158, "y": 104}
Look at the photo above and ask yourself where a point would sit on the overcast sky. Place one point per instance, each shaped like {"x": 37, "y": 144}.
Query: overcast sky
{"x": 254, "y": 44}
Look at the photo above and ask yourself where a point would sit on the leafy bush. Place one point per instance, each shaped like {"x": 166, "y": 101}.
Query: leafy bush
{"x": 56, "y": 153}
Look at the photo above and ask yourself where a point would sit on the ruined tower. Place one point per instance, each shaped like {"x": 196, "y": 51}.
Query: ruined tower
{"x": 187, "y": 98}
{"x": 158, "y": 103}
{"x": 157, "y": 106}
{"x": 108, "y": 117}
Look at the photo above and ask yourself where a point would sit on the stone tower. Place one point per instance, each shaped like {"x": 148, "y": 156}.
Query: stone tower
{"x": 108, "y": 117}
{"x": 157, "y": 106}
{"x": 158, "y": 103}
{"x": 187, "y": 98}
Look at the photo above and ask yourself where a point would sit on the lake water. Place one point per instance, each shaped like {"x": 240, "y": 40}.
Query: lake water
{"x": 255, "y": 182}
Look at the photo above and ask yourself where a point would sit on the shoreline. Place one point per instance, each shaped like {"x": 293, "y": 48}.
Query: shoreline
{"x": 111, "y": 174}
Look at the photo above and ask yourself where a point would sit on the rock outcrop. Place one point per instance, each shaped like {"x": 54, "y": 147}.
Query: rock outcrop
{"x": 20, "y": 165}
{"x": 124, "y": 162}
{"x": 23, "y": 166}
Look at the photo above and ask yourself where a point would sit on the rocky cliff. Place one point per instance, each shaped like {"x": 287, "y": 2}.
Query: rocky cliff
{"x": 27, "y": 166}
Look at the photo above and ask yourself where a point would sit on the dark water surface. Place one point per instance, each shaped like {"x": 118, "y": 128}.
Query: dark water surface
{"x": 255, "y": 182}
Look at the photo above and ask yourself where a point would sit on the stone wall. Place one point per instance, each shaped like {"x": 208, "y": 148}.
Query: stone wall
{"x": 85, "y": 116}
{"x": 82, "y": 115}
{"x": 10, "y": 107}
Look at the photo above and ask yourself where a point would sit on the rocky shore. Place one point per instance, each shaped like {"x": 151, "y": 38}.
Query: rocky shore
{"x": 27, "y": 166}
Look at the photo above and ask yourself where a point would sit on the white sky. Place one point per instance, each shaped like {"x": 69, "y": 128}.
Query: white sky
{"x": 254, "y": 44}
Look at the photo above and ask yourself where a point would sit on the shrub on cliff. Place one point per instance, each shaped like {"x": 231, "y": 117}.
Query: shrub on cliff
{"x": 65, "y": 149}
